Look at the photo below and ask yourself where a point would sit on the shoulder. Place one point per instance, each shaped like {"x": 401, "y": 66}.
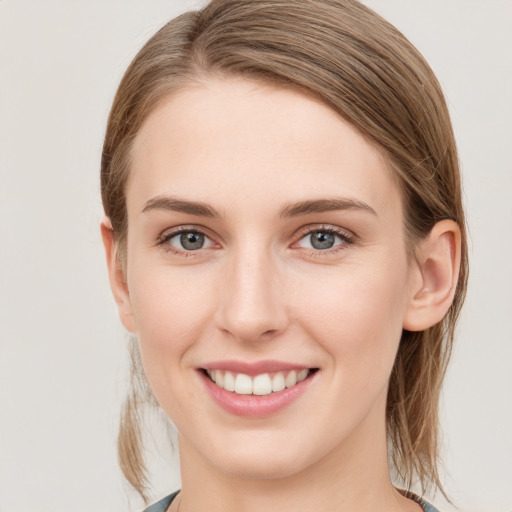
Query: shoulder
{"x": 163, "y": 504}
{"x": 427, "y": 507}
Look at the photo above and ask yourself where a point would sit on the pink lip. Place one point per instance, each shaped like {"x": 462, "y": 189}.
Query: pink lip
{"x": 253, "y": 406}
{"x": 253, "y": 369}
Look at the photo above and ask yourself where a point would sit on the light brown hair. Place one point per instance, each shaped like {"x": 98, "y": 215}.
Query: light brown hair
{"x": 363, "y": 68}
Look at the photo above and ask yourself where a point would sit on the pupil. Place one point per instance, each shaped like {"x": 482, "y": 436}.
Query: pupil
{"x": 192, "y": 241}
{"x": 321, "y": 240}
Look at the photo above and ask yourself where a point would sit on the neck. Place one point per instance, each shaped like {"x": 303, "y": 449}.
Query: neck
{"x": 354, "y": 476}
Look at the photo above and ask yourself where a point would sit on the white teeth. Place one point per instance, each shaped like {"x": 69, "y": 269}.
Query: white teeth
{"x": 243, "y": 384}
{"x": 229, "y": 381}
{"x": 291, "y": 379}
{"x": 302, "y": 375}
{"x": 278, "y": 382}
{"x": 260, "y": 385}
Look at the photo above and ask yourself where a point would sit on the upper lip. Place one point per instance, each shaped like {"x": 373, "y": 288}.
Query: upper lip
{"x": 253, "y": 368}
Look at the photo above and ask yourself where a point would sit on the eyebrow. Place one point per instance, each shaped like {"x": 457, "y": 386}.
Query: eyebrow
{"x": 325, "y": 205}
{"x": 180, "y": 205}
{"x": 291, "y": 210}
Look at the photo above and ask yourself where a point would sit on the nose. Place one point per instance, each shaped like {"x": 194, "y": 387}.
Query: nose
{"x": 253, "y": 304}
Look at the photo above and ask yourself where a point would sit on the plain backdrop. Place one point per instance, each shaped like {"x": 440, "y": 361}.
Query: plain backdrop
{"x": 63, "y": 360}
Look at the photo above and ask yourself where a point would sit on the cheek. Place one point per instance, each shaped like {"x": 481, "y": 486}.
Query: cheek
{"x": 356, "y": 314}
{"x": 171, "y": 309}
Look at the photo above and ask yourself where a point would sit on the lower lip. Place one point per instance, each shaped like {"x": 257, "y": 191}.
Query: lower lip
{"x": 256, "y": 406}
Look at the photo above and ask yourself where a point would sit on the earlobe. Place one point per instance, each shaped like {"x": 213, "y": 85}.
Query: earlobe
{"x": 437, "y": 266}
{"x": 117, "y": 276}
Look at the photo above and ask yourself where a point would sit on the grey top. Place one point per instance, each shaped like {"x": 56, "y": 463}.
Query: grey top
{"x": 163, "y": 504}
{"x": 427, "y": 507}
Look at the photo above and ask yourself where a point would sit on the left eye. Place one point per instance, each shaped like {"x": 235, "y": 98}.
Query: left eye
{"x": 321, "y": 240}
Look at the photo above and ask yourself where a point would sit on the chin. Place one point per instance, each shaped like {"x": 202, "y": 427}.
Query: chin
{"x": 261, "y": 468}
{"x": 259, "y": 459}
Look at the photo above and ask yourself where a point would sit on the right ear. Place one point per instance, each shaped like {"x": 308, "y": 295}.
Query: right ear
{"x": 117, "y": 277}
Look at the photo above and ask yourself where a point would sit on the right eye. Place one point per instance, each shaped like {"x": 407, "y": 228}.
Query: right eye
{"x": 185, "y": 241}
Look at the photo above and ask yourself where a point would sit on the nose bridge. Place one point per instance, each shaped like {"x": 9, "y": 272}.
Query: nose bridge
{"x": 253, "y": 305}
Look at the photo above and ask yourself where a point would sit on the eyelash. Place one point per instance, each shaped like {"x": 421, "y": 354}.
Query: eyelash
{"x": 346, "y": 238}
{"x": 167, "y": 236}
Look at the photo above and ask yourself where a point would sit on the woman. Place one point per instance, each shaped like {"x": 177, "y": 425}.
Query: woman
{"x": 285, "y": 237}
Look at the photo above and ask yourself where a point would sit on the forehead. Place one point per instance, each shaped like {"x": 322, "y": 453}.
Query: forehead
{"x": 225, "y": 139}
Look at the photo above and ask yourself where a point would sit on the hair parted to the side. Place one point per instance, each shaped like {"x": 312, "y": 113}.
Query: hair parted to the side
{"x": 363, "y": 68}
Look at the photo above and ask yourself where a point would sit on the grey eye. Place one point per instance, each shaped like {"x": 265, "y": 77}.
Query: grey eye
{"x": 192, "y": 241}
{"x": 322, "y": 240}
{"x": 186, "y": 241}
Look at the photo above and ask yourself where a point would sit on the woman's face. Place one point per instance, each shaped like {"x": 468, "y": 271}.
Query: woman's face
{"x": 265, "y": 245}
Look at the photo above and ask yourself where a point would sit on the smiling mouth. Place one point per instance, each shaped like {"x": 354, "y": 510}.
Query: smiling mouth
{"x": 259, "y": 385}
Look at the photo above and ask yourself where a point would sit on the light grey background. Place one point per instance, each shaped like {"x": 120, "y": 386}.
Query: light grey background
{"x": 62, "y": 351}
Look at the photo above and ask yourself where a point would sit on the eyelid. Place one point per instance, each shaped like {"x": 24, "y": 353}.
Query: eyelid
{"x": 311, "y": 228}
{"x": 169, "y": 233}
{"x": 347, "y": 236}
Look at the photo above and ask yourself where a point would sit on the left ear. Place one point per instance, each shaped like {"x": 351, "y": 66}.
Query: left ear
{"x": 437, "y": 269}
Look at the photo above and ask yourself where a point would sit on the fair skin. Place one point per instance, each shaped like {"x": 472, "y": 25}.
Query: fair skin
{"x": 256, "y": 274}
